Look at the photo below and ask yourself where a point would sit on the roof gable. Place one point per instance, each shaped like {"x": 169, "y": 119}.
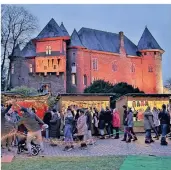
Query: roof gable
{"x": 147, "y": 41}
{"x": 75, "y": 40}
{"x": 65, "y": 32}
{"x": 52, "y": 29}
{"x": 29, "y": 50}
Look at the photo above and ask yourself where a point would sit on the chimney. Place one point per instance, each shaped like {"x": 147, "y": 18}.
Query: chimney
{"x": 121, "y": 38}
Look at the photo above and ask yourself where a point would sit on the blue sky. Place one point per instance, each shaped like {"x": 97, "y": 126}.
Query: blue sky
{"x": 131, "y": 19}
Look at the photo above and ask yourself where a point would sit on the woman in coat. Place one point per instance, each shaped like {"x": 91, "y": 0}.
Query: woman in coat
{"x": 68, "y": 135}
{"x": 116, "y": 122}
{"x": 148, "y": 125}
{"x": 102, "y": 123}
{"x": 82, "y": 128}
{"x": 156, "y": 120}
{"x": 53, "y": 124}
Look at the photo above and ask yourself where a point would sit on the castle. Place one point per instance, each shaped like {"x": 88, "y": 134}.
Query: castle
{"x": 65, "y": 63}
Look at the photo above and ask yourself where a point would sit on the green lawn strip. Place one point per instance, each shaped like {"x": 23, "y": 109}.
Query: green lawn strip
{"x": 67, "y": 163}
{"x": 146, "y": 163}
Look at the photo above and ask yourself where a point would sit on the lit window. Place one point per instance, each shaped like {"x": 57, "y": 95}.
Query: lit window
{"x": 30, "y": 68}
{"x": 48, "y": 50}
{"x": 150, "y": 69}
{"x": 85, "y": 80}
{"x": 12, "y": 68}
{"x": 73, "y": 78}
{"x": 133, "y": 68}
{"x": 114, "y": 66}
{"x": 95, "y": 64}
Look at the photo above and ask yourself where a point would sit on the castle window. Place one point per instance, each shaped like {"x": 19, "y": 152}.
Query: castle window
{"x": 12, "y": 68}
{"x": 150, "y": 69}
{"x": 85, "y": 80}
{"x": 114, "y": 66}
{"x": 155, "y": 53}
{"x": 31, "y": 68}
{"x": 54, "y": 67}
{"x": 48, "y": 50}
{"x": 145, "y": 53}
{"x": 73, "y": 64}
{"x": 73, "y": 79}
{"x": 45, "y": 67}
{"x": 133, "y": 68}
{"x": 95, "y": 64}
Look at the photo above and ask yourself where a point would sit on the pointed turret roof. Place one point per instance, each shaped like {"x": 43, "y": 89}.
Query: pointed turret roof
{"x": 52, "y": 29}
{"x": 75, "y": 40}
{"x": 65, "y": 32}
{"x": 29, "y": 50}
{"x": 147, "y": 41}
{"x": 17, "y": 51}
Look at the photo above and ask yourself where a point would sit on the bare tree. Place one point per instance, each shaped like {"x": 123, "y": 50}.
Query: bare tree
{"x": 168, "y": 84}
{"x": 17, "y": 27}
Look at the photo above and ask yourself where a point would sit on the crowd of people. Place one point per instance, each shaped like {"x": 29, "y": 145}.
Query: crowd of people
{"x": 80, "y": 125}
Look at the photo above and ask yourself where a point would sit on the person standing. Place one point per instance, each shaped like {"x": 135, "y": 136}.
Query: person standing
{"x": 68, "y": 135}
{"x": 108, "y": 120}
{"x": 46, "y": 119}
{"x": 125, "y": 122}
{"x": 165, "y": 122}
{"x": 116, "y": 122}
{"x": 82, "y": 128}
{"x": 130, "y": 126}
{"x": 95, "y": 124}
{"x": 102, "y": 123}
{"x": 148, "y": 125}
{"x": 156, "y": 120}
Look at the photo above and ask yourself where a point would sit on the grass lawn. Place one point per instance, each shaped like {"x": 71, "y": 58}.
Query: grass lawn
{"x": 67, "y": 163}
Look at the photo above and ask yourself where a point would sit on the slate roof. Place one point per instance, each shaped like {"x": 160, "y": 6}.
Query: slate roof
{"x": 65, "y": 32}
{"x": 147, "y": 41}
{"x": 17, "y": 51}
{"x": 105, "y": 41}
{"x": 52, "y": 29}
{"x": 29, "y": 50}
{"x": 75, "y": 40}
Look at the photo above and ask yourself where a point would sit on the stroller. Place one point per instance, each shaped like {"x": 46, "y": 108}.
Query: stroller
{"x": 35, "y": 148}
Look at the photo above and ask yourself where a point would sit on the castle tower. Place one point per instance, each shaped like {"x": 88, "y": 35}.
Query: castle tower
{"x": 152, "y": 63}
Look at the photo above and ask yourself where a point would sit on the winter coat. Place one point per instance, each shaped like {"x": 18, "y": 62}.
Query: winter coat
{"x": 47, "y": 117}
{"x": 108, "y": 116}
{"x": 164, "y": 117}
{"x": 102, "y": 120}
{"x": 95, "y": 121}
{"x": 148, "y": 120}
{"x": 54, "y": 126}
{"x": 89, "y": 120}
{"x": 82, "y": 125}
{"x": 156, "y": 117}
{"x": 116, "y": 119}
{"x": 130, "y": 119}
{"x": 69, "y": 121}
{"x": 125, "y": 122}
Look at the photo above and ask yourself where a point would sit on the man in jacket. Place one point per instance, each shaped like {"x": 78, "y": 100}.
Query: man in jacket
{"x": 125, "y": 122}
{"x": 108, "y": 121}
{"x": 165, "y": 122}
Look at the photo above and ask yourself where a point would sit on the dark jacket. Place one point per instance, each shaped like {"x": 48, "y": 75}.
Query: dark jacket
{"x": 30, "y": 121}
{"x": 125, "y": 122}
{"x": 148, "y": 120}
{"x": 164, "y": 117}
{"x": 89, "y": 120}
{"x": 102, "y": 120}
{"x": 47, "y": 117}
{"x": 108, "y": 116}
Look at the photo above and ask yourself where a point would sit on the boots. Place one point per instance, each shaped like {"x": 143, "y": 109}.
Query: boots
{"x": 163, "y": 141}
{"x": 117, "y": 136}
{"x": 129, "y": 140}
{"x": 135, "y": 138}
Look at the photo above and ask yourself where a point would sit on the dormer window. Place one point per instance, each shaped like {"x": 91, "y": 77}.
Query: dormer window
{"x": 30, "y": 68}
{"x": 48, "y": 50}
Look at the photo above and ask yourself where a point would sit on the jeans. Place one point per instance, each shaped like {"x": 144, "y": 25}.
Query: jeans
{"x": 131, "y": 132}
{"x": 125, "y": 132}
{"x": 164, "y": 128}
{"x": 148, "y": 134}
{"x": 117, "y": 131}
{"x": 47, "y": 133}
{"x": 30, "y": 137}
